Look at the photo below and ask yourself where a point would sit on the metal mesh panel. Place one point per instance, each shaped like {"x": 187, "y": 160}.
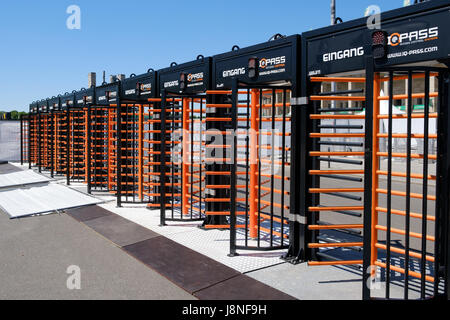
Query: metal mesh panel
{"x": 10, "y": 140}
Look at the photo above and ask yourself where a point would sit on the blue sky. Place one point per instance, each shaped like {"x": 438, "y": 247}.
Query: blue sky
{"x": 40, "y": 57}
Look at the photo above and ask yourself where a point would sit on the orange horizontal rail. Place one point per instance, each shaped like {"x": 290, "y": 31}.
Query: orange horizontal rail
{"x": 222, "y": 226}
{"x": 404, "y": 135}
{"x": 403, "y": 194}
{"x": 403, "y": 252}
{"x": 334, "y": 263}
{"x": 405, "y": 116}
{"x": 403, "y": 232}
{"x": 403, "y": 213}
{"x": 405, "y": 96}
{"x": 404, "y": 155}
{"x": 403, "y": 175}
{"x": 402, "y": 271}
{"x": 335, "y": 245}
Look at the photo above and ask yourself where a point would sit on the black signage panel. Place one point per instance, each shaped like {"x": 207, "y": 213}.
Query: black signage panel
{"x": 106, "y": 94}
{"x": 273, "y": 61}
{"x": 188, "y": 78}
{"x": 411, "y": 38}
{"x": 139, "y": 87}
{"x": 84, "y": 97}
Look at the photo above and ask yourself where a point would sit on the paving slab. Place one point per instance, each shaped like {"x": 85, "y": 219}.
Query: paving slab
{"x": 185, "y": 267}
{"x": 313, "y": 283}
{"x": 36, "y": 253}
{"x": 88, "y": 213}
{"x": 242, "y": 288}
{"x": 8, "y": 168}
{"x": 119, "y": 230}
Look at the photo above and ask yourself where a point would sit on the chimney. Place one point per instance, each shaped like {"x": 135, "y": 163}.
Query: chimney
{"x": 92, "y": 79}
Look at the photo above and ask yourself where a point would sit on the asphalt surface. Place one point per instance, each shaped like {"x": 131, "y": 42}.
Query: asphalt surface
{"x": 36, "y": 253}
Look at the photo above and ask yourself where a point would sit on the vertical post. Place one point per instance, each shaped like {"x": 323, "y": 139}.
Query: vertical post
{"x": 86, "y": 158}
{"x": 185, "y": 149}
{"x": 21, "y": 140}
{"x": 445, "y": 101}
{"x": 55, "y": 142}
{"x": 68, "y": 146}
{"x": 30, "y": 120}
{"x": 375, "y": 150}
{"x": 233, "y": 178}
{"x": 88, "y": 149}
{"x": 254, "y": 136}
{"x": 141, "y": 152}
{"x": 442, "y": 223}
{"x": 162, "y": 177}
{"x": 52, "y": 149}
{"x": 39, "y": 140}
{"x": 119, "y": 152}
{"x": 408, "y": 185}
{"x": 368, "y": 158}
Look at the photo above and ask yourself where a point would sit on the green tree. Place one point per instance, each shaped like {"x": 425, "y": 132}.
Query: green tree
{"x": 14, "y": 115}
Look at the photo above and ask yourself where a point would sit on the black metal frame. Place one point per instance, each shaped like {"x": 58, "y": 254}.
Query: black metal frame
{"x": 265, "y": 66}
{"x": 178, "y": 82}
{"x": 135, "y": 90}
{"x": 239, "y": 85}
{"x": 442, "y": 229}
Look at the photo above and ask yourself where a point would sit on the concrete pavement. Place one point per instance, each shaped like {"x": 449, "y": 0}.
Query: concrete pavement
{"x": 36, "y": 252}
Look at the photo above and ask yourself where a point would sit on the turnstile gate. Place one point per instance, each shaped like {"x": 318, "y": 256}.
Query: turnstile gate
{"x": 174, "y": 157}
{"x": 381, "y": 163}
{"x": 260, "y": 167}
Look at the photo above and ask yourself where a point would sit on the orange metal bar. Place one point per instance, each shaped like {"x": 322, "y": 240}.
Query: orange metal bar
{"x": 335, "y": 245}
{"x": 403, "y": 194}
{"x": 402, "y": 174}
{"x": 403, "y": 252}
{"x": 403, "y": 232}
{"x": 86, "y": 147}
{"x": 404, "y": 135}
{"x": 404, "y": 155}
{"x": 402, "y": 271}
{"x": 334, "y": 263}
{"x": 403, "y": 213}
{"x": 405, "y": 116}
{"x": 254, "y": 123}
{"x": 185, "y": 166}
{"x": 141, "y": 152}
{"x": 375, "y": 164}
{"x": 405, "y": 96}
